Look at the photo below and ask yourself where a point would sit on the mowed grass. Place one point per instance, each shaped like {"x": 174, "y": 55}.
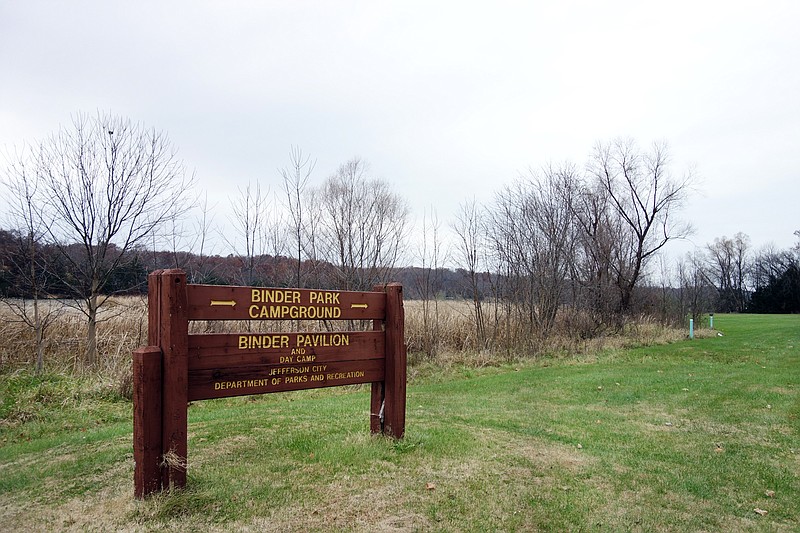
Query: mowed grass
{"x": 691, "y": 436}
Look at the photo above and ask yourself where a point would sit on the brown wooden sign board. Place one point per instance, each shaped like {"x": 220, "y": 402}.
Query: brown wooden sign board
{"x": 213, "y": 302}
{"x": 243, "y": 380}
{"x": 177, "y": 367}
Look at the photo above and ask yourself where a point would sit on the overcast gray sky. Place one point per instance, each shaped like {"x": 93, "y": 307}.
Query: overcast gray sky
{"x": 446, "y": 100}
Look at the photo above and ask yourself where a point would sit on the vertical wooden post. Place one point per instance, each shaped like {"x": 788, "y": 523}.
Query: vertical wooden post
{"x": 154, "y": 308}
{"x": 376, "y": 390}
{"x": 375, "y": 407}
{"x": 146, "y": 420}
{"x": 174, "y": 341}
{"x": 394, "y": 408}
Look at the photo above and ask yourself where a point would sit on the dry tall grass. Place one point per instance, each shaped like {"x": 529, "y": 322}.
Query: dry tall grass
{"x": 440, "y": 332}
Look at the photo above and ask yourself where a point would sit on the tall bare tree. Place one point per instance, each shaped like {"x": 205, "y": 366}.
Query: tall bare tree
{"x": 431, "y": 255}
{"x": 470, "y": 252}
{"x": 106, "y": 184}
{"x": 250, "y": 211}
{"x": 362, "y": 226}
{"x": 202, "y": 268}
{"x": 600, "y": 259}
{"x": 695, "y": 289}
{"x": 645, "y": 197}
{"x": 533, "y": 233}
{"x": 769, "y": 263}
{"x": 21, "y": 182}
{"x": 295, "y": 180}
{"x": 728, "y": 266}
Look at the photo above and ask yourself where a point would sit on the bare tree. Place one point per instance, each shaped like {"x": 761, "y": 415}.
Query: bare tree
{"x": 470, "y": 255}
{"x": 21, "y": 181}
{"x": 275, "y": 236}
{"x": 646, "y": 197}
{"x": 431, "y": 255}
{"x": 696, "y": 291}
{"x": 250, "y": 211}
{"x": 107, "y": 184}
{"x": 769, "y": 264}
{"x": 668, "y": 310}
{"x": 775, "y": 275}
{"x": 362, "y": 226}
{"x": 317, "y": 272}
{"x": 532, "y": 231}
{"x": 598, "y": 266}
{"x": 728, "y": 266}
{"x": 295, "y": 180}
{"x": 202, "y": 268}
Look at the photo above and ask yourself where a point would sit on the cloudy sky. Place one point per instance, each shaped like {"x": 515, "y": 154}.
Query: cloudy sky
{"x": 446, "y": 100}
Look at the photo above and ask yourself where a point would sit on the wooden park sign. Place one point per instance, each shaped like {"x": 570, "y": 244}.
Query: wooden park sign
{"x": 177, "y": 367}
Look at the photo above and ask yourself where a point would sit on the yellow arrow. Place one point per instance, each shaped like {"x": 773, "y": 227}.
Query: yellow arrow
{"x": 359, "y": 306}
{"x": 229, "y": 303}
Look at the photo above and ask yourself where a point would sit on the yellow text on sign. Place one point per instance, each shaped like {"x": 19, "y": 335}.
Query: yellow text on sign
{"x": 256, "y": 342}
{"x": 275, "y": 296}
{"x": 328, "y": 298}
{"x": 294, "y": 312}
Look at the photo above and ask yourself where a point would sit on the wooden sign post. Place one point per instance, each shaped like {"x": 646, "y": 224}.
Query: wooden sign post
{"x": 177, "y": 367}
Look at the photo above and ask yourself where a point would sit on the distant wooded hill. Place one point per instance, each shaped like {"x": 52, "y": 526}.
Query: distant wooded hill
{"x": 130, "y": 277}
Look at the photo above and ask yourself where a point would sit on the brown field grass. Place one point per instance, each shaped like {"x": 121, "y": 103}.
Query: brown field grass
{"x": 445, "y": 335}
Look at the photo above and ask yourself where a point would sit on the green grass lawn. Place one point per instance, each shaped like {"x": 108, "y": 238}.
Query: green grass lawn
{"x": 691, "y": 436}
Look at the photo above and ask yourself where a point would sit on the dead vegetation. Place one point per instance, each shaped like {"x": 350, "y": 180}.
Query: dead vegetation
{"x": 444, "y": 338}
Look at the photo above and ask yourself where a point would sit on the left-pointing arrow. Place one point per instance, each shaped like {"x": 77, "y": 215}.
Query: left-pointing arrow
{"x": 227, "y": 303}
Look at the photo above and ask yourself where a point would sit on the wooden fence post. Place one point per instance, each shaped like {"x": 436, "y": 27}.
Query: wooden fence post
{"x": 146, "y": 420}
{"x": 394, "y": 409}
{"x": 174, "y": 341}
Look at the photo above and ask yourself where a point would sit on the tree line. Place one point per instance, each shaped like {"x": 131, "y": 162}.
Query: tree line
{"x": 729, "y": 275}
{"x": 103, "y": 201}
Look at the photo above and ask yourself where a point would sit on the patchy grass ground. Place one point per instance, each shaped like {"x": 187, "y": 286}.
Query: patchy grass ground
{"x": 697, "y": 435}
